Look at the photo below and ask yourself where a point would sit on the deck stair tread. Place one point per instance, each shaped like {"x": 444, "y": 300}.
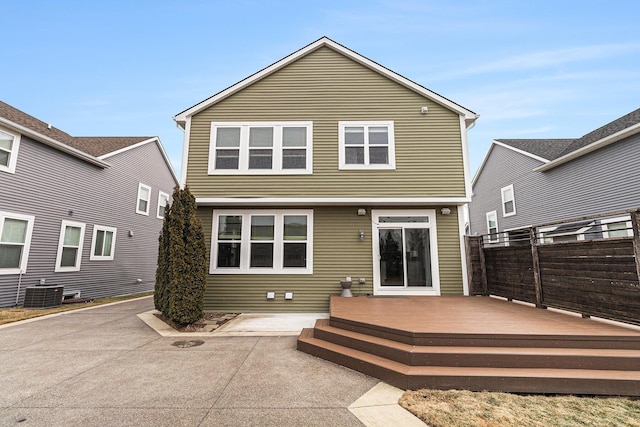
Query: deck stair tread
{"x": 323, "y": 325}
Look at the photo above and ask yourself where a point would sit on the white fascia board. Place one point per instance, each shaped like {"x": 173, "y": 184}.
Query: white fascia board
{"x": 470, "y": 116}
{"x": 140, "y": 144}
{"x": 329, "y": 201}
{"x": 55, "y": 144}
{"x": 625, "y": 133}
{"x": 185, "y": 153}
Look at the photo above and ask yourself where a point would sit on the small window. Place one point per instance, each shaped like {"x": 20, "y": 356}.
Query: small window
{"x": 492, "y": 227}
{"x": 366, "y": 145}
{"x": 617, "y": 227}
{"x": 508, "y": 201}
{"x": 9, "y": 143}
{"x": 260, "y": 241}
{"x": 103, "y": 243}
{"x": 144, "y": 199}
{"x": 15, "y": 241}
{"x": 163, "y": 201}
{"x": 260, "y": 148}
{"x": 70, "y": 246}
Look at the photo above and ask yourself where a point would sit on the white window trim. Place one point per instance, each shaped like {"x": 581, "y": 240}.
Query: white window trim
{"x": 161, "y": 196}
{"x": 366, "y": 166}
{"x": 503, "y": 190}
{"x": 142, "y": 186}
{"x": 81, "y": 226}
{"x": 495, "y": 214}
{"x": 544, "y": 239}
{"x": 243, "y": 161}
{"x": 24, "y": 260}
{"x": 92, "y": 256}
{"x": 246, "y": 241}
{"x": 605, "y": 225}
{"x": 13, "y": 154}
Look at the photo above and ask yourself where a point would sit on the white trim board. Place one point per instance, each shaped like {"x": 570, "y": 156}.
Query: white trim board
{"x": 330, "y": 201}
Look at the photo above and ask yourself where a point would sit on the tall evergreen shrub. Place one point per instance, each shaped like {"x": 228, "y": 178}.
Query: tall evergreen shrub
{"x": 181, "y": 262}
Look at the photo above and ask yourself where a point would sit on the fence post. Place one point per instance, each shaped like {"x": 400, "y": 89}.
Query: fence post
{"x": 537, "y": 283}
{"x": 636, "y": 240}
{"x": 483, "y": 267}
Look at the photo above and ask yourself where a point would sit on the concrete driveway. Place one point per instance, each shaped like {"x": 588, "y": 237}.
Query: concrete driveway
{"x": 106, "y": 367}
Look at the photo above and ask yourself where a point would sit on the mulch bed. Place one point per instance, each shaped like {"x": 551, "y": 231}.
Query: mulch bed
{"x": 210, "y": 321}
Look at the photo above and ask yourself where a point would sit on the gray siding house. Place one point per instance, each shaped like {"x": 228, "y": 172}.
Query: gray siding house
{"x": 525, "y": 182}
{"x": 83, "y": 212}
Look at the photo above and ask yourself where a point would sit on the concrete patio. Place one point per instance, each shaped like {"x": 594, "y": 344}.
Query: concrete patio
{"x": 105, "y": 366}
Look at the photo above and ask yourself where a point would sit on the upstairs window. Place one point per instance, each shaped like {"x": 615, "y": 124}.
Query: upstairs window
{"x": 9, "y": 144}
{"x": 508, "y": 201}
{"x": 163, "y": 201}
{"x": 144, "y": 199}
{"x": 70, "y": 246}
{"x": 366, "y": 145}
{"x": 260, "y": 148}
{"x": 15, "y": 240}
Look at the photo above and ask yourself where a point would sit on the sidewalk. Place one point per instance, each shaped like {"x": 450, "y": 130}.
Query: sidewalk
{"x": 104, "y": 366}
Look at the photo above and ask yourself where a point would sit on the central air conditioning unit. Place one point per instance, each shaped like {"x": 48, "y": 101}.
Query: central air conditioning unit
{"x": 43, "y": 296}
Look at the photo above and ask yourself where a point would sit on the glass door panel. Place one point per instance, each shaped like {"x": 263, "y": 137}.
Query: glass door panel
{"x": 418, "y": 256}
{"x": 391, "y": 257}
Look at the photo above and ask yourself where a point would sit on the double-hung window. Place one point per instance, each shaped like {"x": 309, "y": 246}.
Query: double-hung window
{"x": 492, "y": 227}
{"x": 163, "y": 201}
{"x": 70, "y": 246}
{"x": 366, "y": 145}
{"x": 261, "y": 148}
{"x": 508, "y": 201}
{"x": 9, "y": 143}
{"x": 15, "y": 240}
{"x": 144, "y": 199}
{"x": 262, "y": 241}
{"x": 103, "y": 243}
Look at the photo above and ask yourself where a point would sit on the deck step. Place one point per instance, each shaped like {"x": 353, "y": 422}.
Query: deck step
{"x": 477, "y": 378}
{"x": 468, "y": 356}
{"x": 489, "y": 339}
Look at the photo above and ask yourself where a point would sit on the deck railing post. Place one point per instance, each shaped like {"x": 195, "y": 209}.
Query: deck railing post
{"x": 636, "y": 240}
{"x": 537, "y": 283}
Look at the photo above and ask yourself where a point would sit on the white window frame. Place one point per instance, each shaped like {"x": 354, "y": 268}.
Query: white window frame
{"x": 162, "y": 196}
{"x": 63, "y": 226}
{"x": 605, "y": 225}
{"x": 544, "y": 238}
{"x": 489, "y": 233}
{"x": 366, "y": 166}
{"x": 24, "y": 258}
{"x": 142, "y": 186}
{"x": 245, "y": 242}
{"x": 93, "y": 256}
{"x": 503, "y": 191}
{"x": 13, "y": 153}
{"x": 277, "y": 149}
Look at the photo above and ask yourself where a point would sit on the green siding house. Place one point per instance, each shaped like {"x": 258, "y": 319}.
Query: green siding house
{"x": 325, "y": 166}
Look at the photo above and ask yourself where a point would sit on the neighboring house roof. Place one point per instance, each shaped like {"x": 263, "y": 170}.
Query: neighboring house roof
{"x": 469, "y": 116}
{"x": 554, "y": 152}
{"x": 93, "y": 149}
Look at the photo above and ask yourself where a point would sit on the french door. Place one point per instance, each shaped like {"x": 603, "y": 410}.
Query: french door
{"x": 405, "y": 253}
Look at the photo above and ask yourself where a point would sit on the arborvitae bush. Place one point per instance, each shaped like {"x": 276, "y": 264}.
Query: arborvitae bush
{"x": 181, "y": 273}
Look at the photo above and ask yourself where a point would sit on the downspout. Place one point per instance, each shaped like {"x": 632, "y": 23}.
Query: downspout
{"x": 19, "y": 283}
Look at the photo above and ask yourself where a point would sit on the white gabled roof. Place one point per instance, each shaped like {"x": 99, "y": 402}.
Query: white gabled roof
{"x": 469, "y": 116}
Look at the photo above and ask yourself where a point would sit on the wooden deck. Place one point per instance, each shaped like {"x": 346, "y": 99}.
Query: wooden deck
{"x": 477, "y": 343}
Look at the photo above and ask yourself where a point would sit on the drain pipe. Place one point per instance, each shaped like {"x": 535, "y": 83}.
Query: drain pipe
{"x": 19, "y": 283}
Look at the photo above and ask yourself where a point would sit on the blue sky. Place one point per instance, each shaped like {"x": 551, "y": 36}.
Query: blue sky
{"x": 543, "y": 69}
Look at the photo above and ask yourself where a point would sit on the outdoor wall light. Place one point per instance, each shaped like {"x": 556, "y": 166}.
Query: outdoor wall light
{"x": 130, "y": 233}
{"x": 445, "y": 211}
{"x": 288, "y": 295}
{"x": 362, "y": 212}
{"x": 424, "y": 110}
{"x": 271, "y": 295}
{"x": 361, "y": 234}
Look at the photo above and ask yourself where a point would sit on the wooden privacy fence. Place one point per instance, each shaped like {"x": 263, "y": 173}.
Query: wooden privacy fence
{"x": 595, "y": 276}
